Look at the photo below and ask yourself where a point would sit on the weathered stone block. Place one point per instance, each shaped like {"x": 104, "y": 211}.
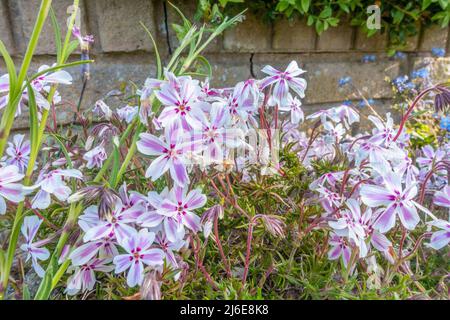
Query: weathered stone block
{"x": 323, "y": 76}
{"x": 293, "y": 36}
{"x": 24, "y": 14}
{"x": 439, "y": 67}
{"x": 336, "y": 39}
{"x": 252, "y": 35}
{"x": 377, "y": 42}
{"x": 434, "y": 36}
{"x": 107, "y": 74}
{"x": 229, "y": 69}
{"x": 5, "y": 29}
{"x": 119, "y": 27}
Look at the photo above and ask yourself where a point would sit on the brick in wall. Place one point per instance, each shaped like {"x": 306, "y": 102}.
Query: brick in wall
{"x": 377, "y": 42}
{"x": 323, "y": 75}
{"x": 119, "y": 28}
{"x": 293, "y": 36}
{"x": 5, "y": 32}
{"x": 251, "y": 35}
{"x": 336, "y": 38}
{"x": 24, "y": 14}
{"x": 434, "y": 36}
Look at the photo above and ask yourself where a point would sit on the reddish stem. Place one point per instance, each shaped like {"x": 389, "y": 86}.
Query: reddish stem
{"x": 219, "y": 245}
{"x": 410, "y": 109}
{"x": 247, "y": 256}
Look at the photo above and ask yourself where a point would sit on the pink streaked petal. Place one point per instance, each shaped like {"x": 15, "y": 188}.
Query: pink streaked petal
{"x": 150, "y": 145}
{"x": 280, "y": 92}
{"x": 375, "y": 196}
{"x": 195, "y": 199}
{"x": 335, "y": 252}
{"x": 271, "y": 71}
{"x": 99, "y": 231}
{"x": 178, "y": 172}
{"x": 171, "y": 227}
{"x": 122, "y": 262}
{"x": 157, "y": 168}
{"x": 440, "y": 239}
{"x": 191, "y": 221}
{"x": 386, "y": 220}
{"x": 380, "y": 242}
{"x": 168, "y": 96}
{"x": 298, "y": 85}
{"x": 84, "y": 253}
{"x": 135, "y": 274}
{"x": 123, "y": 231}
{"x": 152, "y": 257}
{"x": 268, "y": 81}
{"x": 408, "y": 216}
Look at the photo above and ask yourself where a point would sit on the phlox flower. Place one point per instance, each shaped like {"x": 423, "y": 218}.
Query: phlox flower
{"x": 178, "y": 208}
{"x": 102, "y": 110}
{"x": 384, "y": 132}
{"x": 396, "y": 199}
{"x": 105, "y": 247}
{"x": 349, "y": 225}
{"x": 95, "y": 157}
{"x": 217, "y": 137}
{"x": 171, "y": 151}
{"x": 430, "y": 156}
{"x": 139, "y": 253}
{"x": 240, "y": 104}
{"x": 284, "y": 80}
{"x": 52, "y": 183}
{"x": 18, "y": 152}
{"x": 293, "y": 105}
{"x": 442, "y": 197}
{"x": 182, "y": 107}
{"x": 168, "y": 247}
{"x": 441, "y": 238}
{"x": 9, "y": 188}
{"x": 334, "y": 132}
{"x": 84, "y": 279}
{"x": 127, "y": 113}
{"x": 116, "y": 224}
{"x": 339, "y": 248}
{"x": 34, "y": 251}
{"x": 152, "y": 218}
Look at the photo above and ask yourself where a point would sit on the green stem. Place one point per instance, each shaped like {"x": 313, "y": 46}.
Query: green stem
{"x": 130, "y": 155}
{"x": 15, "y": 232}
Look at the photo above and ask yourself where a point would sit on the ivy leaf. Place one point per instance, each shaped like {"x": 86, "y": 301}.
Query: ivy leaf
{"x": 426, "y": 4}
{"x": 310, "y": 21}
{"x": 398, "y": 16}
{"x": 305, "y": 5}
{"x": 326, "y": 13}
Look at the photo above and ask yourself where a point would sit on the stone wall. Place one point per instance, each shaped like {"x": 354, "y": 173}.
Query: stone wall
{"x": 123, "y": 52}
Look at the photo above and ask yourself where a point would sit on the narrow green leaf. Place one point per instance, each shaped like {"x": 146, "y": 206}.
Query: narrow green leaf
{"x": 158, "y": 58}
{"x": 9, "y": 66}
{"x": 34, "y": 121}
{"x": 57, "y": 32}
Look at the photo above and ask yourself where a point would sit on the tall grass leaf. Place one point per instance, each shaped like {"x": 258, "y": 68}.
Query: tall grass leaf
{"x": 158, "y": 58}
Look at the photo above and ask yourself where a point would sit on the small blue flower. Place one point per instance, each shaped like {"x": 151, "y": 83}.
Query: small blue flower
{"x": 369, "y": 58}
{"x": 363, "y": 103}
{"x": 438, "y": 52}
{"x": 421, "y": 73}
{"x": 400, "y": 55}
{"x": 347, "y": 102}
{"x": 445, "y": 123}
{"x": 344, "y": 81}
{"x": 402, "y": 83}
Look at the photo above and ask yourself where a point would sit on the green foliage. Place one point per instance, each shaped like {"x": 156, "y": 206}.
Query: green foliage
{"x": 400, "y": 19}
